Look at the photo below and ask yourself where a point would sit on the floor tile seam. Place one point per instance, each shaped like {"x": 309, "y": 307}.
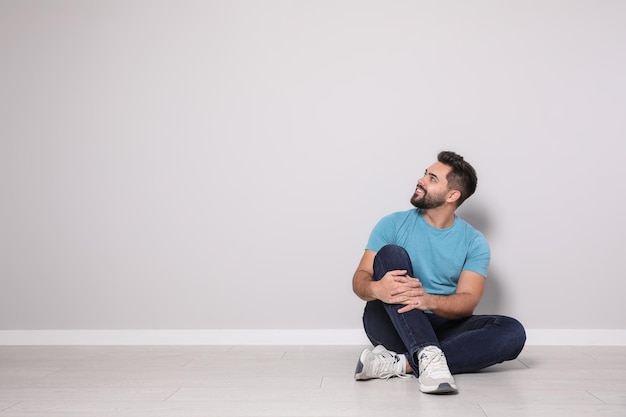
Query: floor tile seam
{"x": 600, "y": 399}
{"x": 229, "y": 401}
{"x": 543, "y": 407}
{"x": 10, "y": 407}
{"x": 594, "y": 401}
{"x": 481, "y": 408}
{"x": 190, "y": 361}
{"x": 172, "y": 394}
{"x": 100, "y": 395}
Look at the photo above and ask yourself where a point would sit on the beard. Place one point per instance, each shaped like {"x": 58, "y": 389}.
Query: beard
{"x": 427, "y": 201}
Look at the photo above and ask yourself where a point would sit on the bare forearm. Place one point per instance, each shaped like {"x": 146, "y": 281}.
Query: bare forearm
{"x": 454, "y": 306}
{"x": 363, "y": 285}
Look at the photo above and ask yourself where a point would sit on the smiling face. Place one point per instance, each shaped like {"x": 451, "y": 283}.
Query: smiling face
{"x": 432, "y": 189}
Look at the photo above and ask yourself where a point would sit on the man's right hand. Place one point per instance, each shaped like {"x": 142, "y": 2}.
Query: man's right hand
{"x": 396, "y": 287}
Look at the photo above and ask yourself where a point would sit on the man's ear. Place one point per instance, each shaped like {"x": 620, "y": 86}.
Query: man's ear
{"x": 453, "y": 196}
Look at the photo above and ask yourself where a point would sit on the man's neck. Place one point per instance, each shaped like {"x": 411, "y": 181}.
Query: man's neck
{"x": 440, "y": 217}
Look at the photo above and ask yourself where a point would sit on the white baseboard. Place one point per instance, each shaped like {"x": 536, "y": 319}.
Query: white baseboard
{"x": 185, "y": 337}
{"x": 553, "y": 337}
{"x": 576, "y": 337}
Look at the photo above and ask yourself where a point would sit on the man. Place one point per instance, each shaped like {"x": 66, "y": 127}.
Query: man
{"x": 422, "y": 274}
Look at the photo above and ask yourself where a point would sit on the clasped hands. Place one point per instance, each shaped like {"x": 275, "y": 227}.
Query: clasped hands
{"x": 396, "y": 287}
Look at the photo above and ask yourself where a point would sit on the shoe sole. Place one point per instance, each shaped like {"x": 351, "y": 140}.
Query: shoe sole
{"x": 443, "y": 388}
{"x": 359, "y": 375}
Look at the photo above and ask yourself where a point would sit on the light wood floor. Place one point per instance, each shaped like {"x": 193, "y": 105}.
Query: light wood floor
{"x": 296, "y": 381}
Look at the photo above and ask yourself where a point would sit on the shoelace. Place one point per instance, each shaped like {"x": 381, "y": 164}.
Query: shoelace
{"x": 386, "y": 365}
{"x": 434, "y": 363}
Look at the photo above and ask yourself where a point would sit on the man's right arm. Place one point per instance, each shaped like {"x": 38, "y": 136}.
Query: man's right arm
{"x": 363, "y": 283}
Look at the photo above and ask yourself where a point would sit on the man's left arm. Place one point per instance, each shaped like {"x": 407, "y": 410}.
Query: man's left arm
{"x": 461, "y": 304}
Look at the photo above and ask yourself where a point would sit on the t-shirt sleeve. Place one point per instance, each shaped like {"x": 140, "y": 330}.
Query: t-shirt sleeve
{"x": 478, "y": 256}
{"x": 382, "y": 234}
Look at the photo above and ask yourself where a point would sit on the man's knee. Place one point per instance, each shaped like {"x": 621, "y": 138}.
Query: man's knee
{"x": 390, "y": 258}
{"x": 515, "y": 336}
{"x": 392, "y": 251}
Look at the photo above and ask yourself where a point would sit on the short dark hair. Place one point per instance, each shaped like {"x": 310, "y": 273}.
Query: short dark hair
{"x": 462, "y": 177}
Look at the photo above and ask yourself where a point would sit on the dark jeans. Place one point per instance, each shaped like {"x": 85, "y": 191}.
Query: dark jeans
{"x": 469, "y": 344}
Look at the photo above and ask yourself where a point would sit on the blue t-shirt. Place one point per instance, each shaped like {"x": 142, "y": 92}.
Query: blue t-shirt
{"x": 438, "y": 255}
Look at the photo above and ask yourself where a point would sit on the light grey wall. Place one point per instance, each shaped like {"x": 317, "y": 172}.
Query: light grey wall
{"x": 220, "y": 164}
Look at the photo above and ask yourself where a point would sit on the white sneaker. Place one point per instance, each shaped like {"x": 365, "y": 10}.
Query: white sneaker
{"x": 380, "y": 363}
{"x": 435, "y": 376}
